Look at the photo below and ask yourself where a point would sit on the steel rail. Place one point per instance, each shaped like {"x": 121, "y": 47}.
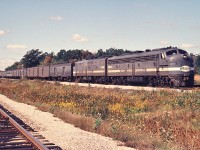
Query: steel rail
{"x": 30, "y": 137}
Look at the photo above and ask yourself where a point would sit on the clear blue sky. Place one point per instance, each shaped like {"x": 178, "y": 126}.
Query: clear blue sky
{"x": 52, "y": 25}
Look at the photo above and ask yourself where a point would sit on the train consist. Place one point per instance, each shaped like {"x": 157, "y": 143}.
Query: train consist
{"x": 169, "y": 66}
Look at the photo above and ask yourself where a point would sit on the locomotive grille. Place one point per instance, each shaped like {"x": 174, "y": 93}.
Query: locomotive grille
{"x": 133, "y": 59}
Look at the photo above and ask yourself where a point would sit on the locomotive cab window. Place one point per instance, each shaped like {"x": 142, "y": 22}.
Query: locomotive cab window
{"x": 182, "y": 52}
{"x": 172, "y": 52}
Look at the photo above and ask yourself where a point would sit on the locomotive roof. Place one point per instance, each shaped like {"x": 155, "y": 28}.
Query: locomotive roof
{"x": 90, "y": 60}
{"x": 145, "y": 53}
{"x": 136, "y": 54}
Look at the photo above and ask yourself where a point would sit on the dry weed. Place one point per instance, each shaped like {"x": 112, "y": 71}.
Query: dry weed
{"x": 145, "y": 120}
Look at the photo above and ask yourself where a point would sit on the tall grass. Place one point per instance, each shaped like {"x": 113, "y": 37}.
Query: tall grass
{"x": 144, "y": 120}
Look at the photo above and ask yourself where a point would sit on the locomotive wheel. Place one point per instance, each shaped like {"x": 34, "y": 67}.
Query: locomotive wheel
{"x": 114, "y": 82}
{"x": 78, "y": 80}
{"x": 100, "y": 81}
{"x": 120, "y": 81}
{"x": 124, "y": 82}
{"x": 150, "y": 81}
{"x": 171, "y": 84}
{"x": 161, "y": 83}
{"x": 154, "y": 82}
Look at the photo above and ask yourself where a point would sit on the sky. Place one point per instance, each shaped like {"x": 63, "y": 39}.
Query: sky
{"x": 52, "y": 25}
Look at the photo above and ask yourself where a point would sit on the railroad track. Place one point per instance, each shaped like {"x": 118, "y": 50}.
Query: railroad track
{"x": 15, "y": 135}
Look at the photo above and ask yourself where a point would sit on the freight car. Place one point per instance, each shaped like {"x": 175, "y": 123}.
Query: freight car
{"x": 159, "y": 67}
{"x": 61, "y": 72}
{"x": 44, "y": 72}
{"x": 33, "y": 73}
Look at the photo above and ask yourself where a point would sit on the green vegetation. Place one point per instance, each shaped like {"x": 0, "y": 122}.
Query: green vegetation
{"x": 143, "y": 120}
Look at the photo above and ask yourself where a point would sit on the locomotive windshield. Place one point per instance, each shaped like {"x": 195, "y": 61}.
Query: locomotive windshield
{"x": 182, "y": 52}
{"x": 172, "y": 52}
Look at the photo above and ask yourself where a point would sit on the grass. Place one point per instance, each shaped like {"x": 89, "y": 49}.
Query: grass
{"x": 143, "y": 120}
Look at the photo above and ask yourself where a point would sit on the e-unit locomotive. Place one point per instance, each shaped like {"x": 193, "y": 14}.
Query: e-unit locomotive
{"x": 159, "y": 67}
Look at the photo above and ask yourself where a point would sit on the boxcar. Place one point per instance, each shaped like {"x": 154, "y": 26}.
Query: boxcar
{"x": 22, "y": 73}
{"x": 8, "y": 74}
{"x": 61, "y": 71}
{"x": 33, "y": 72}
{"x": 44, "y": 72}
{"x": 15, "y": 73}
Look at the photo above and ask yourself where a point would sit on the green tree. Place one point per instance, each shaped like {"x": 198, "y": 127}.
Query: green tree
{"x": 75, "y": 54}
{"x": 16, "y": 65}
{"x": 32, "y": 58}
{"x": 114, "y": 52}
{"x": 100, "y": 53}
{"x": 67, "y": 56}
{"x": 87, "y": 55}
{"x": 61, "y": 56}
{"x": 111, "y": 52}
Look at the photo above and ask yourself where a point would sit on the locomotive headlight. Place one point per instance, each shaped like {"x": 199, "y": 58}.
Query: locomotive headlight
{"x": 185, "y": 57}
{"x": 185, "y": 68}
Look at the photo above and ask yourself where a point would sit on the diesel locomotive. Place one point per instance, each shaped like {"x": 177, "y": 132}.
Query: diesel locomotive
{"x": 169, "y": 66}
{"x": 159, "y": 67}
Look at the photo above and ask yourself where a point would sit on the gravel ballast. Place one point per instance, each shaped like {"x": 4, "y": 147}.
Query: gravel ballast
{"x": 57, "y": 131}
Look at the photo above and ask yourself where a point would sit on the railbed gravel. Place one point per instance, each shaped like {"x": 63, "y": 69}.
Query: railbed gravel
{"x": 57, "y": 131}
